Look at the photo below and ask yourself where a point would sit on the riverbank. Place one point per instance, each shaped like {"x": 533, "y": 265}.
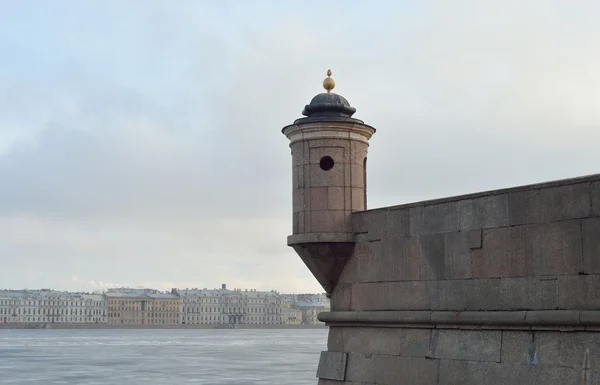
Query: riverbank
{"x": 106, "y": 326}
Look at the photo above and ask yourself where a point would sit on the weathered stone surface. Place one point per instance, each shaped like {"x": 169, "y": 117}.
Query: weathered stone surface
{"x": 369, "y": 262}
{"x": 505, "y": 252}
{"x": 360, "y": 222}
{"x": 394, "y": 370}
{"x": 317, "y": 198}
{"x": 341, "y": 298}
{"x": 322, "y": 178}
{"x": 579, "y": 292}
{"x": 472, "y": 345}
{"x": 373, "y": 340}
{"x": 400, "y": 261}
{"x": 360, "y": 368}
{"x": 298, "y": 200}
{"x": 410, "y": 295}
{"x": 529, "y": 293}
{"x": 595, "y": 194}
{"x": 332, "y": 366}
{"x": 530, "y": 348}
{"x": 328, "y": 221}
{"x": 573, "y": 348}
{"x": 591, "y": 245}
{"x": 447, "y": 295}
{"x": 435, "y": 219}
{"x": 549, "y": 204}
{"x": 475, "y": 239}
{"x": 433, "y": 251}
{"x": 340, "y": 154}
{"x": 475, "y": 373}
{"x": 335, "y": 339}
{"x": 482, "y": 294}
{"x": 484, "y": 212}
{"x": 457, "y": 255}
{"x": 556, "y": 248}
{"x": 397, "y": 223}
{"x": 371, "y": 296}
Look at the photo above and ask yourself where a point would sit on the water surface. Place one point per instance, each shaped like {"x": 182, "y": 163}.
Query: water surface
{"x": 201, "y": 356}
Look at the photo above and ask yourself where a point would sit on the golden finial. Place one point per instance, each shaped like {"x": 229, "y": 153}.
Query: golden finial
{"x": 328, "y": 83}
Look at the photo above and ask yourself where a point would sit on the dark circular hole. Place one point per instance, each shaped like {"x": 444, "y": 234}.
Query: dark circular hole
{"x": 326, "y": 163}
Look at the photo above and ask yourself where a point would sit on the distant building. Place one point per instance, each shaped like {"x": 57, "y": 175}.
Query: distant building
{"x": 49, "y": 306}
{"x": 143, "y": 307}
{"x": 291, "y": 316}
{"x": 224, "y": 306}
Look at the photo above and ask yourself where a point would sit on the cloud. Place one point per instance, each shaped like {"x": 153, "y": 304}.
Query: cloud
{"x": 149, "y": 152}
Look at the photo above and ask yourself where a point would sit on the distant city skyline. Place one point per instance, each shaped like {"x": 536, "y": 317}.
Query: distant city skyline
{"x": 140, "y": 141}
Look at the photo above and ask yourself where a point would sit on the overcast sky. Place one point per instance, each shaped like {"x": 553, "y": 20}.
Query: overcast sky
{"x": 140, "y": 141}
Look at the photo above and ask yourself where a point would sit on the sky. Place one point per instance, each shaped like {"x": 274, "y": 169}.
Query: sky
{"x": 140, "y": 141}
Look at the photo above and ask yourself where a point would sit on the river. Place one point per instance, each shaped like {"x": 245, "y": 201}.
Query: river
{"x": 169, "y": 357}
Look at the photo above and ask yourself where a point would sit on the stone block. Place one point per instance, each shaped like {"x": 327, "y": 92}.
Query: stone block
{"x": 482, "y": 294}
{"x": 549, "y": 204}
{"x": 415, "y": 342}
{"x": 322, "y": 178}
{"x": 360, "y": 368}
{"x": 332, "y": 366}
{"x": 360, "y": 222}
{"x": 475, "y": 373}
{"x": 356, "y": 174}
{"x": 573, "y": 348}
{"x": 302, "y": 222}
{"x": 369, "y": 256}
{"x": 356, "y": 198}
{"x": 335, "y": 198}
{"x": 579, "y": 292}
{"x": 371, "y": 296}
{"x": 505, "y": 252}
{"x": 457, "y": 255}
{"x": 376, "y": 224}
{"x": 341, "y": 298}
{"x": 296, "y": 177}
{"x": 373, "y": 340}
{"x": 591, "y": 245}
{"x": 434, "y": 219}
{"x": 394, "y": 370}
{"x": 340, "y": 154}
{"x": 335, "y": 339}
{"x": 317, "y": 198}
{"x": 409, "y": 295}
{"x": 295, "y": 223}
{"x": 471, "y": 345}
{"x": 484, "y": 212}
{"x": 595, "y": 196}
{"x": 400, "y": 260}
{"x": 397, "y": 223}
{"x": 475, "y": 239}
{"x": 433, "y": 251}
{"x": 447, "y": 295}
{"x": 298, "y": 200}
{"x": 529, "y": 293}
{"x": 530, "y": 348}
{"x": 329, "y": 221}
{"x": 556, "y": 248}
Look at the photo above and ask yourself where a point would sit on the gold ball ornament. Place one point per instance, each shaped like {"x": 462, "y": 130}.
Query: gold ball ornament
{"x": 328, "y": 83}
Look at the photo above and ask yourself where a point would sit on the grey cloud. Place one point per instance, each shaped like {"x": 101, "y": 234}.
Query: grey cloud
{"x": 194, "y": 173}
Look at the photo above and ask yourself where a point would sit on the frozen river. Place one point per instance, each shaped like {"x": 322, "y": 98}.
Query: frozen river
{"x": 170, "y": 357}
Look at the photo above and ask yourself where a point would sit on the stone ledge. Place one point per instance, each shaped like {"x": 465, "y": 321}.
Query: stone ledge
{"x": 527, "y": 319}
{"x": 595, "y": 178}
{"x": 320, "y": 238}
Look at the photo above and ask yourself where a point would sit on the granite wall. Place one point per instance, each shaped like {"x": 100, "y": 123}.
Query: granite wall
{"x": 500, "y": 287}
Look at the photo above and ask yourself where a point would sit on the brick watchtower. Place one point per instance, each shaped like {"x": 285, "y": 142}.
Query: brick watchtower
{"x": 329, "y": 156}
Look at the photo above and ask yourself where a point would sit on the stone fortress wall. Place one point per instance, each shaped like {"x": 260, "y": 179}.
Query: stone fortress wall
{"x": 500, "y": 287}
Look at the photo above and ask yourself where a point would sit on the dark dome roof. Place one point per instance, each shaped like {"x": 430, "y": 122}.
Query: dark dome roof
{"x": 328, "y": 107}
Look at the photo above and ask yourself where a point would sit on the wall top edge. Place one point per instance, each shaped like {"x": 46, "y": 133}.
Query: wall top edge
{"x": 536, "y": 186}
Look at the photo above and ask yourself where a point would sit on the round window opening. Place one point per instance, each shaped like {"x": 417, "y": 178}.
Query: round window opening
{"x": 326, "y": 163}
